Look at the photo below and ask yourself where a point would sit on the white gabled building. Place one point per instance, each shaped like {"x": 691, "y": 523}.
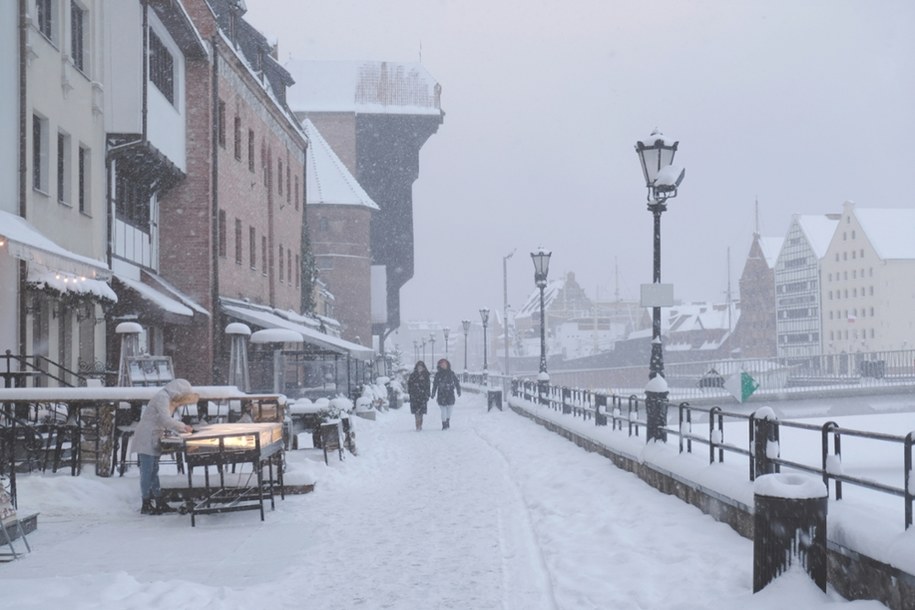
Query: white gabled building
{"x": 798, "y": 312}
{"x": 869, "y": 282}
{"x": 53, "y": 221}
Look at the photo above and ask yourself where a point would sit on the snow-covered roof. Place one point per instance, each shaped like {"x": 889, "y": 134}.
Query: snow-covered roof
{"x": 26, "y": 242}
{"x": 770, "y": 247}
{"x": 366, "y": 87}
{"x": 889, "y": 231}
{"x": 328, "y": 180}
{"x": 532, "y": 305}
{"x": 819, "y": 229}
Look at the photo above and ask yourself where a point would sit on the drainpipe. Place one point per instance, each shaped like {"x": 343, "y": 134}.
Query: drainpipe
{"x": 144, "y": 106}
{"x": 23, "y": 174}
{"x": 214, "y": 214}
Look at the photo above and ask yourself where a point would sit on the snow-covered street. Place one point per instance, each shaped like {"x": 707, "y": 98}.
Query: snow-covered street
{"x": 496, "y": 512}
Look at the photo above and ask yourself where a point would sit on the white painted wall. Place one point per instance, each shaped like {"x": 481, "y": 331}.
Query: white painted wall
{"x": 165, "y": 122}
{"x": 9, "y": 155}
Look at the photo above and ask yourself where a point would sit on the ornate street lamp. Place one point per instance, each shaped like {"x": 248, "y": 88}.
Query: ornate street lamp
{"x": 466, "y": 325}
{"x": 415, "y": 351}
{"x": 424, "y": 350}
{"x": 484, "y": 315}
{"x": 541, "y": 260}
{"x": 432, "y": 343}
{"x": 662, "y": 178}
{"x": 445, "y": 332}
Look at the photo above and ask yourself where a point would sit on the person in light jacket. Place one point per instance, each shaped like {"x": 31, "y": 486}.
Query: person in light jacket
{"x": 418, "y": 387}
{"x": 158, "y": 417}
{"x": 444, "y": 386}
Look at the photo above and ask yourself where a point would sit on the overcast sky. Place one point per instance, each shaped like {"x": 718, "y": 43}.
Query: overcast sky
{"x": 801, "y": 104}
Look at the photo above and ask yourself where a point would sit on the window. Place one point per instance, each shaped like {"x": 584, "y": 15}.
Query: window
{"x": 45, "y": 10}
{"x": 77, "y": 36}
{"x": 221, "y": 123}
{"x": 289, "y": 267}
{"x": 82, "y": 193}
{"x": 161, "y": 67}
{"x": 852, "y": 234}
{"x": 281, "y": 265}
{"x": 221, "y": 227}
{"x": 288, "y": 190}
{"x": 238, "y": 137}
{"x": 39, "y": 154}
{"x": 131, "y": 201}
{"x": 871, "y": 291}
{"x": 264, "y": 255}
{"x": 250, "y": 150}
{"x": 252, "y": 247}
{"x": 63, "y": 168}
{"x": 296, "y": 192}
{"x": 298, "y": 269}
{"x": 279, "y": 176}
{"x": 237, "y": 241}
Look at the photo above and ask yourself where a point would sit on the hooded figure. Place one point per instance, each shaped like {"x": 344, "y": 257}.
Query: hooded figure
{"x": 418, "y": 387}
{"x": 155, "y": 420}
{"x": 444, "y": 386}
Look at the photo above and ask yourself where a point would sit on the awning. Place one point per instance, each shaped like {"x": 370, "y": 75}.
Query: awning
{"x": 27, "y": 243}
{"x": 164, "y": 286}
{"x": 264, "y": 318}
{"x": 163, "y": 302}
{"x": 96, "y": 290}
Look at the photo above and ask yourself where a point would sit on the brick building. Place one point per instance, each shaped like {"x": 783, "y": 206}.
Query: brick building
{"x": 233, "y": 228}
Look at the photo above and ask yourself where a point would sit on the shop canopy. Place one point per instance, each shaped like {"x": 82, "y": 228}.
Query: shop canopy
{"x": 27, "y": 243}
{"x": 263, "y": 317}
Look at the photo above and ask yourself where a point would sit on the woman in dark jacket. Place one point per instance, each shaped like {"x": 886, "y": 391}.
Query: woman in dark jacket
{"x": 418, "y": 388}
{"x": 444, "y": 387}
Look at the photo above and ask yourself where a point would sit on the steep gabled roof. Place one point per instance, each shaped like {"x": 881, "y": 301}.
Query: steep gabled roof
{"x": 819, "y": 229}
{"x": 328, "y": 181}
{"x": 889, "y": 231}
{"x": 770, "y": 247}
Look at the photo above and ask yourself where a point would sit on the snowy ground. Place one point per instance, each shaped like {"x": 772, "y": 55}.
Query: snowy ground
{"x": 495, "y": 513}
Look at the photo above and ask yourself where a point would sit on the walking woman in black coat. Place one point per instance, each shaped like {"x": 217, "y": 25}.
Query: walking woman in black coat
{"x": 418, "y": 388}
{"x": 444, "y": 386}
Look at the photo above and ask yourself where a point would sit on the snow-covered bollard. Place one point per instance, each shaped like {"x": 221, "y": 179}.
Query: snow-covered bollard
{"x": 789, "y": 526}
{"x": 765, "y": 446}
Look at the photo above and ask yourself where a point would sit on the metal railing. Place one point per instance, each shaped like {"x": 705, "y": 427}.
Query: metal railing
{"x": 763, "y": 449}
{"x": 37, "y": 370}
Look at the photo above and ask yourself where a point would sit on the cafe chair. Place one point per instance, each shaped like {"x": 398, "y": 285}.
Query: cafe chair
{"x": 9, "y": 523}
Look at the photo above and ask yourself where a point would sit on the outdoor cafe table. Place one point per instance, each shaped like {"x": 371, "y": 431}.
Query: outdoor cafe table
{"x": 78, "y": 399}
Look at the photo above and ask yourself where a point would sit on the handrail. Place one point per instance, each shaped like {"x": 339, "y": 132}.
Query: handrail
{"x": 26, "y": 364}
{"x": 763, "y": 451}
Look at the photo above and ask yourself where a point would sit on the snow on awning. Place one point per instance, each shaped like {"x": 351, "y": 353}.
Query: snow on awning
{"x": 162, "y": 301}
{"x": 65, "y": 284}
{"x": 25, "y": 242}
{"x": 166, "y": 287}
{"x": 264, "y": 318}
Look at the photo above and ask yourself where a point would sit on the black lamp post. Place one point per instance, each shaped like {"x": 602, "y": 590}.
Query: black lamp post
{"x": 415, "y": 351}
{"x": 445, "y": 332}
{"x": 484, "y": 315}
{"x": 424, "y": 350}
{"x": 656, "y": 154}
{"x": 466, "y": 325}
{"x": 541, "y": 260}
{"x": 432, "y": 349}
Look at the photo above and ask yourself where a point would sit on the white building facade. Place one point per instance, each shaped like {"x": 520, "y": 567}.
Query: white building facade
{"x": 869, "y": 282}
{"x": 54, "y": 232}
{"x": 798, "y": 311}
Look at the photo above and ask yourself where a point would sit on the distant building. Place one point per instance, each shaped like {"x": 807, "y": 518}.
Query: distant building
{"x": 339, "y": 214}
{"x": 754, "y": 331}
{"x": 868, "y": 278}
{"x": 376, "y": 116}
{"x": 798, "y": 277}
